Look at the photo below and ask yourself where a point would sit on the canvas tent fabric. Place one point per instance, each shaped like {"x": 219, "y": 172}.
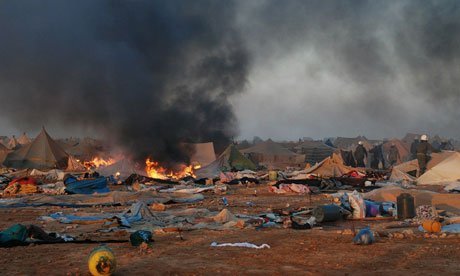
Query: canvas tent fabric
{"x": 74, "y": 166}
{"x": 42, "y": 153}
{"x": 125, "y": 167}
{"x": 230, "y": 159}
{"x": 273, "y": 155}
{"x": 85, "y": 149}
{"x": 203, "y": 154}
{"x": 331, "y": 166}
{"x": 445, "y": 172}
{"x": 401, "y": 172}
{"x": 24, "y": 140}
{"x": 13, "y": 143}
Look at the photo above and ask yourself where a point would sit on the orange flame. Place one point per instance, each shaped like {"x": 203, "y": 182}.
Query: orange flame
{"x": 98, "y": 162}
{"x": 154, "y": 170}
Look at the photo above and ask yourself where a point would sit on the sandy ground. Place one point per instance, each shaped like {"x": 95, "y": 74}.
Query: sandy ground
{"x": 322, "y": 251}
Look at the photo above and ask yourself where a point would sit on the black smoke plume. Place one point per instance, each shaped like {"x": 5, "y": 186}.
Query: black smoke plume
{"x": 147, "y": 75}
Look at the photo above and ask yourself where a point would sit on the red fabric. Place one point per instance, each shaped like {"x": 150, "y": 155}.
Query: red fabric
{"x": 352, "y": 174}
{"x": 24, "y": 181}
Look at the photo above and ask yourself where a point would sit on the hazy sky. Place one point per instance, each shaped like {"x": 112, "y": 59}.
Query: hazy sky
{"x": 337, "y": 68}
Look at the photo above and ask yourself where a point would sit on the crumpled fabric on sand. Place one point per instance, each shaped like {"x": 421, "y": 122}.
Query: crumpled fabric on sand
{"x": 241, "y": 244}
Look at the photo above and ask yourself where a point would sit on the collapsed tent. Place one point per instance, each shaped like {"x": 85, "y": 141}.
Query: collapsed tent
{"x": 443, "y": 173}
{"x": 203, "y": 154}
{"x": 230, "y": 159}
{"x": 24, "y": 140}
{"x": 273, "y": 155}
{"x": 402, "y": 171}
{"x": 123, "y": 168}
{"x": 43, "y": 152}
{"x": 331, "y": 167}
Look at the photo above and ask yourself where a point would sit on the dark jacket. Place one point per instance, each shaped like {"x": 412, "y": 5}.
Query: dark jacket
{"x": 360, "y": 152}
{"x": 393, "y": 154}
{"x": 424, "y": 147}
{"x": 413, "y": 147}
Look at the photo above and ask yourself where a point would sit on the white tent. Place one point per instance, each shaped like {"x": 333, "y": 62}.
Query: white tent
{"x": 443, "y": 173}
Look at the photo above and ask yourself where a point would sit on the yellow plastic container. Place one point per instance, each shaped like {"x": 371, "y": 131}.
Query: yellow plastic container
{"x": 272, "y": 175}
{"x": 102, "y": 262}
{"x": 431, "y": 226}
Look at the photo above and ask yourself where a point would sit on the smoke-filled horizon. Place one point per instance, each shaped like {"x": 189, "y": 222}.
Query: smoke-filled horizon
{"x": 144, "y": 75}
{"x": 151, "y": 74}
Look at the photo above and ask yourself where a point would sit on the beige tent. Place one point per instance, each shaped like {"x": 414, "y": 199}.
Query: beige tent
{"x": 437, "y": 158}
{"x": 203, "y": 154}
{"x": 273, "y": 155}
{"x": 13, "y": 143}
{"x": 84, "y": 150}
{"x": 74, "y": 166}
{"x": 43, "y": 152}
{"x": 443, "y": 173}
{"x": 24, "y": 140}
{"x": 331, "y": 166}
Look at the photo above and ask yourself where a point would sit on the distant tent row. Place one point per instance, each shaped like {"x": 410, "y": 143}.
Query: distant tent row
{"x": 273, "y": 155}
{"x": 315, "y": 151}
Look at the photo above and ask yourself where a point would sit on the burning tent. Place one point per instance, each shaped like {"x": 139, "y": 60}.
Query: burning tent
{"x": 84, "y": 149}
{"x": 230, "y": 159}
{"x": 122, "y": 169}
{"x": 273, "y": 155}
{"x": 43, "y": 152}
{"x": 74, "y": 166}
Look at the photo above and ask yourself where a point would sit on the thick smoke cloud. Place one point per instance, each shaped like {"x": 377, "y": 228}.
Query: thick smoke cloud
{"x": 147, "y": 75}
{"x": 378, "y": 68}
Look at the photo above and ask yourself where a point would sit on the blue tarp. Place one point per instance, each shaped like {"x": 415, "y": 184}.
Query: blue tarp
{"x": 87, "y": 186}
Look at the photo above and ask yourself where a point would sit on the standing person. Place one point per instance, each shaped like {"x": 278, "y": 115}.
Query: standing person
{"x": 375, "y": 157}
{"x": 360, "y": 154}
{"x": 393, "y": 154}
{"x": 422, "y": 153}
{"x": 413, "y": 148}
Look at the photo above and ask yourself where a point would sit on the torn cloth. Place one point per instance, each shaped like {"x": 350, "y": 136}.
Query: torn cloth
{"x": 241, "y": 244}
